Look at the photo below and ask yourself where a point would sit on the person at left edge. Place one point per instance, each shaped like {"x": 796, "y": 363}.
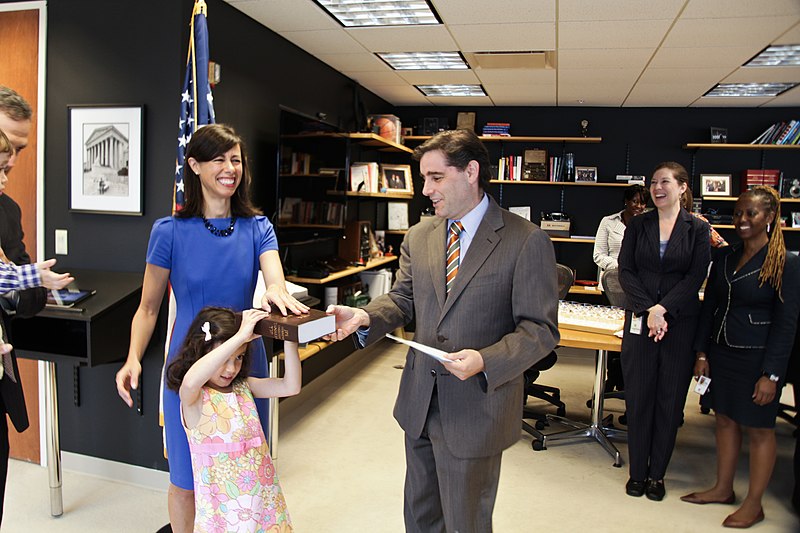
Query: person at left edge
{"x": 211, "y": 252}
{"x": 498, "y": 319}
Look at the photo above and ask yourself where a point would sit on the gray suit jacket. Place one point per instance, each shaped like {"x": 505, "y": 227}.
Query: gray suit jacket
{"x": 504, "y": 304}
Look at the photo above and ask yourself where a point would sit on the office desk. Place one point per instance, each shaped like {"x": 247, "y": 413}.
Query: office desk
{"x": 97, "y": 332}
{"x": 595, "y": 429}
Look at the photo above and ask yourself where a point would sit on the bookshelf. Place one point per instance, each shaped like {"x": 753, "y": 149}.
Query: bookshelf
{"x": 726, "y": 146}
{"x": 520, "y": 139}
{"x": 375, "y": 263}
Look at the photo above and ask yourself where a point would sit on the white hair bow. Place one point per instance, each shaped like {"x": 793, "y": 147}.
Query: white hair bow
{"x": 207, "y": 330}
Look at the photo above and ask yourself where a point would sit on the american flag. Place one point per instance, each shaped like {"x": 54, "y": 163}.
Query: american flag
{"x": 197, "y": 103}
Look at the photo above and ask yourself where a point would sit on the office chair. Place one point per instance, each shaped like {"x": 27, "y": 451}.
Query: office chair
{"x": 790, "y": 413}
{"x": 549, "y": 394}
{"x": 616, "y": 297}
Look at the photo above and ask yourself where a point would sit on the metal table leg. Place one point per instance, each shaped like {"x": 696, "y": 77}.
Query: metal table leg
{"x": 272, "y": 430}
{"x": 52, "y": 439}
{"x": 595, "y": 429}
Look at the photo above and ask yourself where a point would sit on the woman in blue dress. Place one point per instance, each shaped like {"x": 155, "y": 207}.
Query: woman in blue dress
{"x": 211, "y": 252}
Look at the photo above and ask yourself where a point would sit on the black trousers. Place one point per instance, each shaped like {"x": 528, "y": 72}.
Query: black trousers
{"x": 4, "y": 449}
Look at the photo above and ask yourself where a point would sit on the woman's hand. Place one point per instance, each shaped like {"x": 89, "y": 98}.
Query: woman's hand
{"x": 278, "y": 296}
{"x": 701, "y": 365}
{"x": 251, "y": 317}
{"x": 764, "y": 391}
{"x": 656, "y": 323}
{"x": 128, "y": 378}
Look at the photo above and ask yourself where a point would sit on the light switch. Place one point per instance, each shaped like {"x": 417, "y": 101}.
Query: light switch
{"x": 61, "y": 242}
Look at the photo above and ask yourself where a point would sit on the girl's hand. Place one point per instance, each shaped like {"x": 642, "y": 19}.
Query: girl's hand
{"x": 764, "y": 391}
{"x": 251, "y": 317}
{"x": 701, "y": 365}
{"x": 278, "y": 295}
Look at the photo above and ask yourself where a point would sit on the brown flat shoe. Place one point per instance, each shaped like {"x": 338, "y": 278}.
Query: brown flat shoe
{"x": 738, "y": 524}
{"x": 694, "y": 498}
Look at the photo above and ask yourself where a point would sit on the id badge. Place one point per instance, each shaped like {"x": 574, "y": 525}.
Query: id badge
{"x": 702, "y": 385}
{"x": 636, "y": 325}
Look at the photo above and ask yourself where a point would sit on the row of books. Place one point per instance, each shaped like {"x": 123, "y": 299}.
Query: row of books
{"x": 502, "y": 129}
{"x": 517, "y": 168}
{"x": 298, "y": 211}
{"x": 295, "y": 162}
{"x": 780, "y": 133}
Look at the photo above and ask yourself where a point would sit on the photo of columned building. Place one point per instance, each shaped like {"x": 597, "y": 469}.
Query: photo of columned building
{"x": 105, "y": 159}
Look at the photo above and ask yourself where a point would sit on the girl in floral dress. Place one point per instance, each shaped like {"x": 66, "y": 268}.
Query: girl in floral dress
{"x": 235, "y": 484}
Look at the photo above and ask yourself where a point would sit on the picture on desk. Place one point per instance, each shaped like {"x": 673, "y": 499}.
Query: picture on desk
{"x": 62, "y": 298}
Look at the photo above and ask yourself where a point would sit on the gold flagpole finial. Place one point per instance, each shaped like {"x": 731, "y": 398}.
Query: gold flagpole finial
{"x": 200, "y": 8}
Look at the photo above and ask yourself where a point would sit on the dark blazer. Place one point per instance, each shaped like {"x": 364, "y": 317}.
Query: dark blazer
{"x": 740, "y": 312}
{"x": 672, "y": 281}
{"x": 504, "y": 303}
{"x": 30, "y": 302}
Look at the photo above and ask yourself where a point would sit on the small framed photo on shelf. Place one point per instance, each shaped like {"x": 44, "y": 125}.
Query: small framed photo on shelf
{"x": 585, "y": 173}
{"x": 105, "y": 159}
{"x": 719, "y": 135}
{"x": 397, "y": 178}
{"x": 796, "y": 219}
{"x": 397, "y": 214}
{"x": 715, "y": 184}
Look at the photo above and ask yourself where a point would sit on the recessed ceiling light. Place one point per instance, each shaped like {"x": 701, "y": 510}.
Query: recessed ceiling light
{"x": 424, "y": 60}
{"x": 749, "y": 89}
{"x": 786, "y": 55}
{"x": 354, "y": 13}
{"x": 451, "y": 90}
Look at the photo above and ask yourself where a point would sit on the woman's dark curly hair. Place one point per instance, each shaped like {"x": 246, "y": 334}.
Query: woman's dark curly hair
{"x": 223, "y": 324}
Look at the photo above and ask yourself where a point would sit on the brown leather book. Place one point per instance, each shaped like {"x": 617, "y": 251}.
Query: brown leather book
{"x": 297, "y": 328}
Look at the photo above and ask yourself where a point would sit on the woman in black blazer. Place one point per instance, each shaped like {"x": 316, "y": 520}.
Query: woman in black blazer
{"x": 663, "y": 261}
{"x": 745, "y": 338}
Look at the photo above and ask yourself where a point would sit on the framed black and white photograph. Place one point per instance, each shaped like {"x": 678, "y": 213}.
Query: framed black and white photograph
{"x": 397, "y": 178}
{"x": 796, "y": 219}
{"x": 715, "y": 184}
{"x": 585, "y": 173}
{"x": 105, "y": 159}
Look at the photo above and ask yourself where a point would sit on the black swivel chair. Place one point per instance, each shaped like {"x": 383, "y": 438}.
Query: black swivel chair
{"x": 549, "y": 394}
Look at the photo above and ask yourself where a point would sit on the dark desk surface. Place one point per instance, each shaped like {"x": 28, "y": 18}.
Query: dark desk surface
{"x": 111, "y": 289}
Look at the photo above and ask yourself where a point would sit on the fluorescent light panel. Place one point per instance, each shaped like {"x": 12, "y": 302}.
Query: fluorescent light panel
{"x": 424, "y": 60}
{"x": 749, "y": 89}
{"x": 451, "y": 90}
{"x": 787, "y": 55}
{"x": 356, "y": 13}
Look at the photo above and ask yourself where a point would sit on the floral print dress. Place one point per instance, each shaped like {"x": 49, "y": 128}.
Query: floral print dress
{"x": 235, "y": 484}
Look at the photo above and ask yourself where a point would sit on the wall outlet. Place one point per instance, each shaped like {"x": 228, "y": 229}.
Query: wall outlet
{"x": 61, "y": 242}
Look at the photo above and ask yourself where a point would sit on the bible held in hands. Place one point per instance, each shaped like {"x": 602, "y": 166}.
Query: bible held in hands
{"x": 298, "y": 328}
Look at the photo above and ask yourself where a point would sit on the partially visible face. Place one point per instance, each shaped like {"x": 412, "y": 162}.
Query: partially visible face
{"x": 220, "y": 177}
{"x": 635, "y": 206}
{"x": 453, "y": 192}
{"x": 225, "y": 375}
{"x": 750, "y": 217}
{"x": 4, "y": 159}
{"x": 17, "y": 132}
{"x": 665, "y": 190}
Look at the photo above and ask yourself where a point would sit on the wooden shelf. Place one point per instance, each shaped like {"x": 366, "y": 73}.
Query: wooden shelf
{"x": 567, "y": 183}
{"x": 395, "y": 231}
{"x": 366, "y": 139}
{"x": 310, "y": 349}
{"x": 385, "y": 195}
{"x": 570, "y": 239}
{"x": 725, "y": 146}
{"x": 733, "y": 199}
{"x": 342, "y": 273}
{"x": 500, "y": 138}
{"x": 589, "y": 291}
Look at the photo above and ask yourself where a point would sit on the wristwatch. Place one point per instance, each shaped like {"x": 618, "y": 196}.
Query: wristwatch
{"x": 772, "y": 377}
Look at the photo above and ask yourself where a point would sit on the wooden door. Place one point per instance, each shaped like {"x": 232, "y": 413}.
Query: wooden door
{"x": 19, "y": 40}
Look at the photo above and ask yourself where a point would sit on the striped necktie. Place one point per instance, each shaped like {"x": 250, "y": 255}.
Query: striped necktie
{"x": 453, "y": 252}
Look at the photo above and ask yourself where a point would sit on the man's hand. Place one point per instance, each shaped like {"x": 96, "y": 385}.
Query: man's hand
{"x": 127, "y": 379}
{"x": 50, "y": 279}
{"x": 465, "y": 364}
{"x": 348, "y": 320}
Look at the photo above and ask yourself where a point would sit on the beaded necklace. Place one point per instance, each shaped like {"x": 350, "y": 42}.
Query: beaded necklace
{"x": 219, "y": 232}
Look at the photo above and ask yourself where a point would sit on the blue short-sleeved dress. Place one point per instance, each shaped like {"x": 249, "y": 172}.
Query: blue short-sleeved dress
{"x": 207, "y": 270}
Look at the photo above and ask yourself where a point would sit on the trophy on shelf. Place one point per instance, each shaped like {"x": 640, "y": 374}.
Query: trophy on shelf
{"x": 584, "y": 128}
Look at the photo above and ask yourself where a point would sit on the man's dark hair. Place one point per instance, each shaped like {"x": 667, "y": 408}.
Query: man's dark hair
{"x": 13, "y": 105}
{"x": 459, "y": 148}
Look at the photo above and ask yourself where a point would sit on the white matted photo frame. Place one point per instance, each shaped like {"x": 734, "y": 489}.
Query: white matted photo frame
{"x": 715, "y": 184}
{"x": 585, "y": 173}
{"x": 397, "y": 178}
{"x": 105, "y": 159}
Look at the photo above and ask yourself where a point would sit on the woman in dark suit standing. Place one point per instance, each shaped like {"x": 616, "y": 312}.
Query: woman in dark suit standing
{"x": 745, "y": 338}
{"x": 663, "y": 261}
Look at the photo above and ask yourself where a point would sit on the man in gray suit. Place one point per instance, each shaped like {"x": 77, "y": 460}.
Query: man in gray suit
{"x": 496, "y": 319}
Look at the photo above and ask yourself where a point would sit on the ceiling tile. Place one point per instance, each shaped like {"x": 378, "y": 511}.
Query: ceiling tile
{"x": 363, "y": 62}
{"x": 722, "y": 101}
{"x": 505, "y": 37}
{"x": 591, "y": 77}
{"x": 580, "y": 10}
{"x": 507, "y": 11}
{"x": 593, "y": 94}
{"x": 463, "y": 101}
{"x": 505, "y": 76}
{"x": 522, "y": 95}
{"x": 724, "y": 8}
{"x": 323, "y": 41}
{"x": 401, "y": 95}
{"x": 703, "y": 56}
{"x": 612, "y": 34}
{"x": 755, "y": 31}
{"x": 704, "y": 76}
{"x": 405, "y": 39}
{"x": 790, "y": 37}
{"x": 635, "y": 58}
{"x": 417, "y": 77}
{"x": 678, "y": 92}
{"x": 375, "y": 79}
{"x": 790, "y": 98}
{"x": 764, "y": 75}
{"x": 286, "y": 15}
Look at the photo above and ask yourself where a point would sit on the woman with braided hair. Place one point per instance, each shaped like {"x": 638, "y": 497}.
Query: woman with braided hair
{"x": 743, "y": 343}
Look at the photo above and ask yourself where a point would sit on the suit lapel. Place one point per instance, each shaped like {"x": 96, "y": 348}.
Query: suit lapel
{"x": 483, "y": 244}
{"x": 652, "y": 231}
{"x": 680, "y": 232}
{"x": 436, "y": 259}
